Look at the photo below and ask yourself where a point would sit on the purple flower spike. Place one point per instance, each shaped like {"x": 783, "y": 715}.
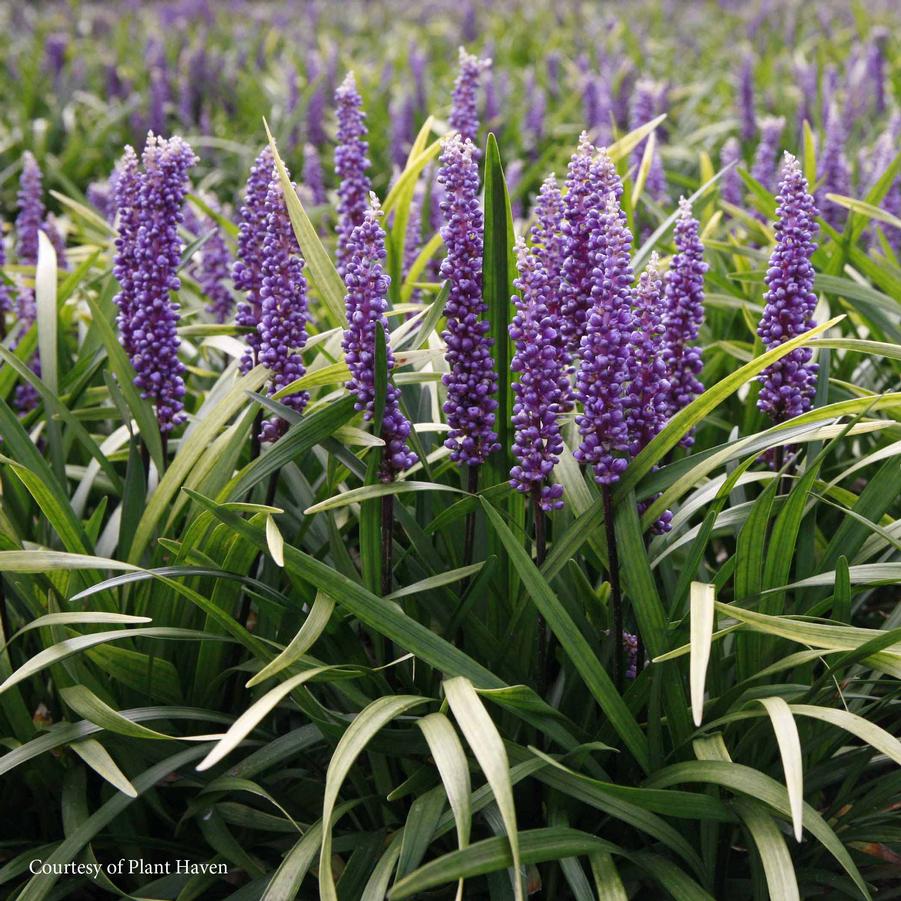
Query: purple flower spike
{"x": 464, "y": 115}
{"x": 313, "y": 181}
{"x": 351, "y": 163}
{"x": 876, "y": 68}
{"x": 604, "y": 350}
{"x": 214, "y": 266}
{"x": 647, "y": 400}
{"x": 645, "y": 107}
{"x": 248, "y": 270}
{"x": 764, "y": 166}
{"x": 30, "y": 219}
{"x": 684, "y": 313}
{"x": 154, "y": 249}
{"x": 367, "y": 302}
{"x": 283, "y": 292}
{"x": 471, "y": 382}
{"x": 746, "y": 100}
{"x": 835, "y": 173}
{"x": 789, "y": 385}
{"x": 542, "y": 390}
{"x": 732, "y": 190}
{"x": 588, "y": 184}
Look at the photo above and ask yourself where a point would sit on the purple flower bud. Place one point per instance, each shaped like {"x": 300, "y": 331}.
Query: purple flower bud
{"x": 588, "y": 184}
{"x": 283, "y": 292}
{"x": 471, "y": 382}
{"x": 542, "y": 390}
{"x": 684, "y": 314}
{"x": 789, "y": 385}
{"x": 605, "y": 346}
{"x": 351, "y": 164}
{"x": 732, "y": 189}
{"x": 367, "y": 302}
{"x": 764, "y": 166}
{"x": 645, "y": 108}
{"x": 150, "y": 246}
{"x": 464, "y": 115}
{"x": 746, "y": 100}
{"x": 630, "y": 645}
{"x": 313, "y": 180}
{"x": 315, "y": 119}
{"x": 835, "y": 173}
{"x": 597, "y": 106}
{"x": 247, "y": 273}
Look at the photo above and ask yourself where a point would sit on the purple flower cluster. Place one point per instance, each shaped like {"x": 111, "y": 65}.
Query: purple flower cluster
{"x": 351, "y": 163}
{"x": 630, "y": 646}
{"x": 283, "y": 293}
{"x": 645, "y": 107}
{"x": 835, "y": 173}
{"x": 542, "y": 390}
{"x": 471, "y": 382}
{"x": 789, "y": 385}
{"x": 764, "y": 166}
{"x": 464, "y": 114}
{"x": 313, "y": 180}
{"x": 247, "y": 273}
{"x": 150, "y": 210}
{"x": 746, "y": 100}
{"x": 367, "y": 302}
{"x": 587, "y": 185}
{"x": 213, "y": 269}
{"x": 605, "y": 346}
{"x": 683, "y": 287}
{"x": 30, "y": 219}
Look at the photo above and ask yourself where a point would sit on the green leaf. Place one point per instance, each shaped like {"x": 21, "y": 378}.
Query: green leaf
{"x": 313, "y": 626}
{"x": 368, "y": 492}
{"x": 573, "y": 643}
{"x": 450, "y": 760}
{"x": 250, "y": 719}
{"x": 98, "y": 759}
{"x": 790, "y": 749}
{"x": 702, "y": 616}
{"x": 874, "y": 735}
{"x": 537, "y": 846}
{"x": 774, "y": 853}
{"x": 482, "y": 736}
{"x": 365, "y": 725}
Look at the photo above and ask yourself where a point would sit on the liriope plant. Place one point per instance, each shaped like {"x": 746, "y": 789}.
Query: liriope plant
{"x": 386, "y": 678}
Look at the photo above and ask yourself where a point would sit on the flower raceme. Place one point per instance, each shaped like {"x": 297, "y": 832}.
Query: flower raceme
{"x": 283, "y": 294}
{"x": 367, "y": 303}
{"x": 471, "y": 381}
{"x": 150, "y": 202}
{"x": 351, "y": 164}
{"x": 464, "y": 114}
{"x": 788, "y": 385}
{"x": 247, "y": 273}
{"x": 542, "y": 389}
